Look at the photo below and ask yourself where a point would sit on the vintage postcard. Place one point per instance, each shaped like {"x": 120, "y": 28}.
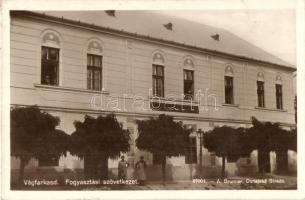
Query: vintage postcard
{"x": 149, "y": 102}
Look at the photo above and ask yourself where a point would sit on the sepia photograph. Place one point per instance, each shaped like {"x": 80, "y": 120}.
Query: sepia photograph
{"x": 152, "y": 100}
{"x": 139, "y": 100}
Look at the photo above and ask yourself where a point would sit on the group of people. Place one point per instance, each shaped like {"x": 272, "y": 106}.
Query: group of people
{"x": 140, "y": 168}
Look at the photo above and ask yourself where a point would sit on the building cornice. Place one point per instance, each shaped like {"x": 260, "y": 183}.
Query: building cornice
{"x": 135, "y": 36}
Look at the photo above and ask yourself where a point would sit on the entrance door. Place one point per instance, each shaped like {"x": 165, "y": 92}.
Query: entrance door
{"x": 264, "y": 162}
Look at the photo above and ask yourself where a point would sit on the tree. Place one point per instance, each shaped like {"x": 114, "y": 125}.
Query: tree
{"x": 96, "y": 140}
{"x": 262, "y": 135}
{"x": 267, "y": 137}
{"x": 164, "y": 137}
{"x": 226, "y": 142}
{"x": 33, "y": 135}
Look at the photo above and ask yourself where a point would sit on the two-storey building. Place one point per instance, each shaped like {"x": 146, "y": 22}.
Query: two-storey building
{"x": 139, "y": 64}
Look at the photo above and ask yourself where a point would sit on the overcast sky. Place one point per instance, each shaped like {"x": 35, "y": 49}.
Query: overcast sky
{"x": 272, "y": 30}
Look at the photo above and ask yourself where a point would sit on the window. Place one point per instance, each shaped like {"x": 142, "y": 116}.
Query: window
{"x": 279, "y": 96}
{"x": 47, "y": 161}
{"x": 131, "y": 151}
{"x": 157, "y": 159}
{"x": 94, "y": 72}
{"x": 260, "y": 94}
{"x": 248, "y": 160}
{"x": 191, "y": 153}
{"x": 49, "y": 65}
{"x": 188, "y": 76}
{"x": 213, "y": 159}
{"x": 229, "y": 90}
{"x": 158, "y": 80}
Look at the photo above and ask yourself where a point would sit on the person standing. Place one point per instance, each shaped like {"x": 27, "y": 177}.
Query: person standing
{"x": 140, "y": 169}
{"x": 122, "y": 168}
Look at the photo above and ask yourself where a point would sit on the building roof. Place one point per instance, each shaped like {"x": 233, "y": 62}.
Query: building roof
{"x": 153, "y": 25}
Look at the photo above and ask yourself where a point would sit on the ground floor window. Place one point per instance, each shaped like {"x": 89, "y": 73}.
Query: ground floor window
{"x": 191, "y": 152}
{"x": 157, "y": 159}
{"x": 131, "y": 142}
{"x": 248, "y": 160}
{"x": 213, "y": 159}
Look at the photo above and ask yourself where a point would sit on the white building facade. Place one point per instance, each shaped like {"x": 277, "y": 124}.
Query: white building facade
{"x": 70, "y": 69}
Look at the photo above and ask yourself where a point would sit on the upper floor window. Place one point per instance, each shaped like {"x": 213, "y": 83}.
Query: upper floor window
{"x": 158, "y": 74}
{"x": 279, "y": 92}
{"x": 279, "y": 96}
{"x": 50, "y": 58}
{"x": 260, "y": 90}
{"x": 49, "y": 66}
{"x": 188, "y": 76}
{"x": 94, "y": 64}
{"x": 229, "y": 94}
{"x": 158, "y": 80}
{"x": 260, "y": 94}
{"x": 94, "y": 72}
{"x": 229, "y": 90}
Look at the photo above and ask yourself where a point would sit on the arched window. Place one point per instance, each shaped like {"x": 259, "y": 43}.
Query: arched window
{"x": 260, "y": 89}
{"x": 94, "y": 65}
{"x": 279, "y": 92}
{"x": 50, "y": 59}
{"x": 229, "y": 89}
{"x": 158, "y": 74}
{"x": 188, "y": 63}
{"x": 188, "y": 78}
{"x": 278, "y": 80}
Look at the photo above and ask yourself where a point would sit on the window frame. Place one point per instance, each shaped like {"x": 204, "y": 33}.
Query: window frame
{"x": 186, "y": 81}
{"x": 94, "y": 68}
{"x": 260, "y": 93}
{"x": 213, "y": 159}
{"x": 45, "y": 62}
{"x": 155, "y": 78}
{"x": 191, "y": 151}
{"x": 156, "y": 159}
{"x": 231, "y": 94}
{"x": 279, "y": 104}
{"x": 248, "y": 160}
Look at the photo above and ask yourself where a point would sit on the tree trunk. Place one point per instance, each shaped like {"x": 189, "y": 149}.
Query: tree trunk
{"x": 21, "y": 171}
{"x": 87, "y": 166}
{"x": 95, "y": 160}
{"x": 263, "y": 159}
{"x": 89, "y": 169}
{"x": 163, "y": 169}
{"x": 223, "y": 170}
{"x": 103, "y": 167}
